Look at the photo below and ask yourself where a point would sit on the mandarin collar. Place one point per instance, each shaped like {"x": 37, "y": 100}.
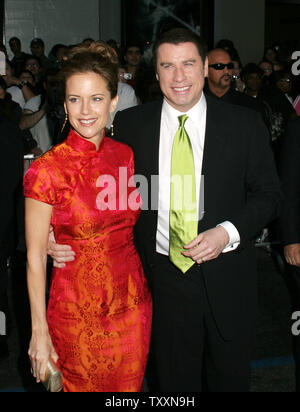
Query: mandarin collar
{"x": 80, "y": 144}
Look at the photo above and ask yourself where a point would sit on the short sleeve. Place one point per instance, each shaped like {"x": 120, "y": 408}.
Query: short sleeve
{"x": 38, "y": 184}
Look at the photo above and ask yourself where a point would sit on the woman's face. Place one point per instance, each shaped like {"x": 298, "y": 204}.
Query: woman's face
{"x": 88, "y": 104}
{"x": 270, "y": 55}
{"x": 285, "y": 84}
{"x": 33, "y": 66}
{"x": 28, "y": 77}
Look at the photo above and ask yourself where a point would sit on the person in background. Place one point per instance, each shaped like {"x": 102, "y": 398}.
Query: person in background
{"x": 11, "y": 172}
{"x": 16, "y": 87}
{"x": 278, "y": 109}
{"x": 36, "y": 111}
{"x": 220, "y": 82}
{"x": 266, "y": 67}
{"x": 33, "y": 64}
{"x": 58, "y": 53}
{"x": 289, "y": 171}
{"x": 133, "y": 59}
{"x": 270, "y": 55}
{"x": 37, "y": 47}
{"x": 18, "y": 61}
{"x": 126, "y": 96}
{"x": 284, "y": 82}
{"x": 236, "y": 76}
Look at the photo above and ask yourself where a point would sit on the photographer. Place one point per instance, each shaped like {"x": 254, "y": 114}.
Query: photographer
{"x": 44, "y": 113}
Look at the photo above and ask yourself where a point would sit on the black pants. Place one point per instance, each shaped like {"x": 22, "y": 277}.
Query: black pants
{"x": 187, "y": 352}
{"x": 292, "y": 278}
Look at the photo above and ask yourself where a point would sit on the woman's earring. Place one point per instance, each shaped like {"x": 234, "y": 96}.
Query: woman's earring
{"x": 65, "y": 122}
{"x": 112, "y": 132}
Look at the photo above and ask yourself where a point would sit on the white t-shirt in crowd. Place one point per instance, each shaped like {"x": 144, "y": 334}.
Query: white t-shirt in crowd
{"x": 40, "y": 131}
{"x": 17, "y": 96}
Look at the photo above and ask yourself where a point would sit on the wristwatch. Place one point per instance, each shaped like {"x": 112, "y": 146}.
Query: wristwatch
{"x": 22, "y": 84}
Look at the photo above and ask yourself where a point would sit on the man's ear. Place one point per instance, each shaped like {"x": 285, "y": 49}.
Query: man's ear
{"x": 157, "y": 77}
{"x": 206, "y": 67}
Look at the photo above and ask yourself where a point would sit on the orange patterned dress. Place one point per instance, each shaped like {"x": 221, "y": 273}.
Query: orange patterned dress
{"x": 100, "y": 309}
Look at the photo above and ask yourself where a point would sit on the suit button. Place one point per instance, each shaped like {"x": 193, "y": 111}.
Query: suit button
{"x": 152, "y": 265}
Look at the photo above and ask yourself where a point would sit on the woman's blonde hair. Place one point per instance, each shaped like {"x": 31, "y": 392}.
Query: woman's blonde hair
{"x": 98, "y": 58}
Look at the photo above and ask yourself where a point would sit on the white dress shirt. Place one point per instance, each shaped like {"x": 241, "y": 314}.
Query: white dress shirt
{"x": 195, "y": 127}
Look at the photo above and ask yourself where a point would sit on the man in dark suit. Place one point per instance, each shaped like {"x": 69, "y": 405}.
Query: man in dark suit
{"x": 204, "y": 293}
{"x": 220, "y": 85}
{"x": 289, "y": 168}
{"x": 11, "y": 171}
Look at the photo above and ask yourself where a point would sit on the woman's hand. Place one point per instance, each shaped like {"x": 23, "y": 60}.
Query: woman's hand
{"x": 40, "y": 351}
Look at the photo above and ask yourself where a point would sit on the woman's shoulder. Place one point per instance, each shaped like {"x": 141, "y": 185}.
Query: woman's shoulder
{"x": 54, "y": 158}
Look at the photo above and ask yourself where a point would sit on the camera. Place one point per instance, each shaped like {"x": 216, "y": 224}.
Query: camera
{"x": 127, "y": 76}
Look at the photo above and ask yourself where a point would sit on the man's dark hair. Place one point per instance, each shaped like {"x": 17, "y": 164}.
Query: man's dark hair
{"x": 252, "y": 68}
{"x": 16, "y": 39}
{"x": 177, "y": 36}
{"x": 133, "y": 44}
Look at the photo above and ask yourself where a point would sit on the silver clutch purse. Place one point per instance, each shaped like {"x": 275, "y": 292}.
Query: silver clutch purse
{"x": 53, "y": 379}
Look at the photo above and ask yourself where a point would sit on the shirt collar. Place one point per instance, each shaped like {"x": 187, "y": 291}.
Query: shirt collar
{"x": 195, "y": 113}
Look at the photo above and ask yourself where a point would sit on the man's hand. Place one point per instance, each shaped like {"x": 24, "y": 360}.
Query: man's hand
{"x": 292, "y": 254}
{"x": 208, "y": 245}
{"x": 61, "y": 254}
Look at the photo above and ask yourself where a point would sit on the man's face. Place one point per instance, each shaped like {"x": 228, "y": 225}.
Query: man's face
{"x": 267, "y": 68}
{"x": 15, "y": 46}
{"x": 37, "y": 50}
{"x": 133, "y": 56}
{"x": 219, "y": 78}
{"x": 253, "y": 82}
{"x": 181, "y": 73}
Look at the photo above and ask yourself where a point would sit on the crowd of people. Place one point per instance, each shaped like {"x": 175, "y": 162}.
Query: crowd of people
{"x": 99, "y": 320}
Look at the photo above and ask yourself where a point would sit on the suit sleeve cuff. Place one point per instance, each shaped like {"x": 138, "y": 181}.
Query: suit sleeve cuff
{"x": 234, "y": 237}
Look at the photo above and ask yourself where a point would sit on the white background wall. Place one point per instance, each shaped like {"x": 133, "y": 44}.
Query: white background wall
{"x": 55, "y": 21}
{"x": 70, "y": 21}
{"x": 243, "y": 22}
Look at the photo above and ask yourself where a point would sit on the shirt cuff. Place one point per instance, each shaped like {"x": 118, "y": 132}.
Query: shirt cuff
{"x": 234, "y": 237}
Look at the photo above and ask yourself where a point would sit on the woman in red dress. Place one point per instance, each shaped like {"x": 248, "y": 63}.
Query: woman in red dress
{"x": 97, "y": 325}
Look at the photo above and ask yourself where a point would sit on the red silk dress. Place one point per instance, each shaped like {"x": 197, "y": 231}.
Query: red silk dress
{"x": 100, "y": 309}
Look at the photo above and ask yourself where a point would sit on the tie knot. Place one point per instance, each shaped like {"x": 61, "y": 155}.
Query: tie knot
{"x": 182, "y": 120}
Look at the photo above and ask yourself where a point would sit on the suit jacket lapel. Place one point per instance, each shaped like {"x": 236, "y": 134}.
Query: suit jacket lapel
{"x": 212, "y": 152}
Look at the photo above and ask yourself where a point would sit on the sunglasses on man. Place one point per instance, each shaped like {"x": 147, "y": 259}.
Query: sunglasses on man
{"x": 221, "y": 66}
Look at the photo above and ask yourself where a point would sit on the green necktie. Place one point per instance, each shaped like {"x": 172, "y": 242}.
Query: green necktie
{"x": 183, "y": 207}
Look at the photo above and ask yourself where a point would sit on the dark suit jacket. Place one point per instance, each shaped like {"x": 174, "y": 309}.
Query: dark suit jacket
{"x": 289, "y": 169}
{"x": 241, "y": 185}
{"x": 241, "y": 99}
{"x": 11, "y": 172}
